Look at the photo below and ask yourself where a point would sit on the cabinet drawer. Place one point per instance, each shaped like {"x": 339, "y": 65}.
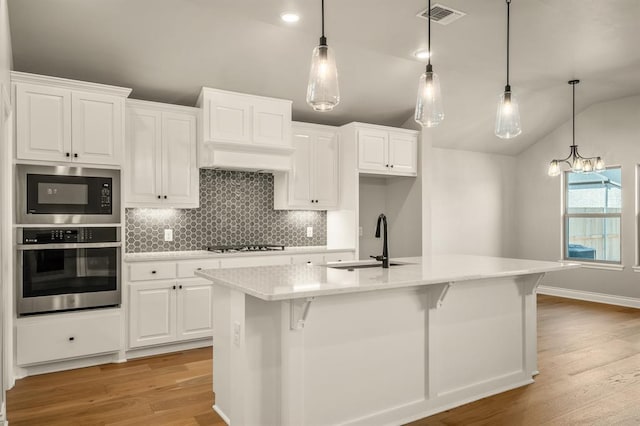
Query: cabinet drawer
{"x": 242, "y": 262}
{"x": 152, "y": 271}
{"x": 62, "y": 336}
{"x": 316, "y": 258}
{"x": 187, "y": 268}
{"x": 337, "y": 257}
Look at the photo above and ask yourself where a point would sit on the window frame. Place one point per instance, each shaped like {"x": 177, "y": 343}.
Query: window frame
{"x": 595, "y": 263}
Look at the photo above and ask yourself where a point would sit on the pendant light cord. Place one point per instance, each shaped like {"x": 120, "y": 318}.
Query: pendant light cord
{"x": 508, "y": 25}
{"x": 574, "y": 114}
{"x": 323, "y": 18}
{"x": 429, "y": 31}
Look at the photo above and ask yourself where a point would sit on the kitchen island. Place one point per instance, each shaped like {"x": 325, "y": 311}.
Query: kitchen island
{"x": 347, "y": 344}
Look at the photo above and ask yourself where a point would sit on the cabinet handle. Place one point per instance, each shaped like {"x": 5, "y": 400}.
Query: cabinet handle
{"x": 75, "y": 155}
{"x": 68, "y": 154}
{"x": 71, "y": 339}
{"x": 392, "y": 166}
{"x": 174, "y": 287}
{"x": 386, "y": 165}
{"x": 180, "y": 286}
{"x": 159, "y": 197}
{"x": 165, "y": 197}
{"x": 198, "y": 269}
{"x": 153, "y": 272}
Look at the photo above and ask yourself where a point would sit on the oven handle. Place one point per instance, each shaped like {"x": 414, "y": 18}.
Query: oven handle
{"x": 67, "y": 246}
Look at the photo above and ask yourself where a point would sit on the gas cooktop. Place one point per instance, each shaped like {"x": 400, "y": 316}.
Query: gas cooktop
{"x": 245, "y": 248}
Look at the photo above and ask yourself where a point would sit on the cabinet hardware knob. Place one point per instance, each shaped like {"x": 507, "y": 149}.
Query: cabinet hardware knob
{"x": 75, "y": 155}
{"x": 71, "y": 339}
{"x": 308, "y": 261}
{"x": 68, "y": 154}
{"x": 165, "y": 197}
{"x": 180, "y": 286}
{"x": 392, "y": 166}
{"x": 386, "y": 165}
{"x": 153, "y": 272}
{"x": 199, "y": 269}
{"x": 159, "y": 197}
{"x": 174, "y": 287}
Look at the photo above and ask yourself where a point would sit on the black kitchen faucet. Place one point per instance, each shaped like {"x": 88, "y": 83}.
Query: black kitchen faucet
{"x": 385, "y": 247}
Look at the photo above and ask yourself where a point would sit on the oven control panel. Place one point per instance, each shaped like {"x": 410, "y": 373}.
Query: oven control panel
{"x": 69, "y": 235}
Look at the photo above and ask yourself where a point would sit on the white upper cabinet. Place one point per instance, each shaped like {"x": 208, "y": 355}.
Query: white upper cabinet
{"x": 387, "y": 150}
{"x": 313, "y": 181}
{"x": 64, "y": 120}
{"x": 244, "y": 132}
{"x": 161, "y": 156}
{"x": 97, "y": 128}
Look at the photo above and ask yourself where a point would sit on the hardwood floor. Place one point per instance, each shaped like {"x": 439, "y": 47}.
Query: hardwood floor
{"x": 589, "y": 361}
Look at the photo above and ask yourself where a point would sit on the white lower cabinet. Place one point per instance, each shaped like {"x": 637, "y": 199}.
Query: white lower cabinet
{"x": 169, "y": 311}
{"x": 54, "y": 337}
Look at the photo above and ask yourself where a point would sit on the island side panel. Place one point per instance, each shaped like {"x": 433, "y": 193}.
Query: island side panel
{"x": 483, "y": 339}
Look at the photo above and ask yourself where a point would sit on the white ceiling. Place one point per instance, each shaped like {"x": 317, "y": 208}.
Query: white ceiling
{"x": 167, "y": 49}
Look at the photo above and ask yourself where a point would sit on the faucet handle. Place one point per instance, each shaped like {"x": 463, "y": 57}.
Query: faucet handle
{"x": 378, "y": 258}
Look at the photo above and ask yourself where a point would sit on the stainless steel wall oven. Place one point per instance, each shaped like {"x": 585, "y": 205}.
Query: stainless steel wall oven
{"x": 61, "y": 194}
{"x": 62, "y": 269}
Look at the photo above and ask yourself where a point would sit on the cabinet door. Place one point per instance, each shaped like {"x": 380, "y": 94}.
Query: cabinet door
{"x": 229, "y": 118}
{"x": 152, "y": 313}
{"x": 144, "y": 160}
{"x": 403, "y": 154}
{"x": 300, "y": 175}
{"x": 97, "y": 128}
{"x": 43, "y": 123}
{"x": 373, "y": 150}
{"x": 271, "y": 122}
{"x": 195, "y": 313}
{"x": 179, "y": 168}
{"x": 325, "y": 170}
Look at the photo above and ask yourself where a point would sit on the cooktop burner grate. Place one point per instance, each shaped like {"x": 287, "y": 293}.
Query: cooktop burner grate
{"x": 244, "y": 248}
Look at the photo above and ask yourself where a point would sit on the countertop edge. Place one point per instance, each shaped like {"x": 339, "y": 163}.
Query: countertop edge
{"x": 201, "y": 254}
{"x": 386, "y": 286}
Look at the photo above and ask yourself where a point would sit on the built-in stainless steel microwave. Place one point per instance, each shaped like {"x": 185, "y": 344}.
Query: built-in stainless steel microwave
{"x": 60, "y": 194}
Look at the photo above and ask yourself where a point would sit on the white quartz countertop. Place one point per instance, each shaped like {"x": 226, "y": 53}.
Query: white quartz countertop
{"x": 204, "y": 254}
{"x": 299, "y": 281}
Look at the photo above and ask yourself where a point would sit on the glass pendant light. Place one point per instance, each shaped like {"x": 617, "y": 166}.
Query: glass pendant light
{"x": 508, "y": 116}
{"x": 576, "y": 162}
{"x": 429, "y": 111}
{"x": 323, "y": 93}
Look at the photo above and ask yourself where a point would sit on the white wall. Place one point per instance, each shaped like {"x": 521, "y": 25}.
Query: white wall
{"x": 611, "y": 130}
{"x": 5, "y": 143}
{"x": 472, "y": 203}
{"x": 399, "y": 198}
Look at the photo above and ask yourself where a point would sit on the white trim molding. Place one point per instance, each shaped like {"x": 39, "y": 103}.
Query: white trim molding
{"x": 28, "y": 78}
{"x": 609, "y": 299}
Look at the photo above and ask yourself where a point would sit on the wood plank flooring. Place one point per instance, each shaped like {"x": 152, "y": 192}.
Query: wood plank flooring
{"x": 589, "y": 361}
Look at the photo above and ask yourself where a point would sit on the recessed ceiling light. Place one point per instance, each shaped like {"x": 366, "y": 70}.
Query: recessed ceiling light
{"x": 421, "y": 54}
{"x": 290, "y": 17}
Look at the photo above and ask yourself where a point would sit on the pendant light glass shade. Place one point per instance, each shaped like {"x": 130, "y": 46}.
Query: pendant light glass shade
{"x": 323, "y": 93}
{"x": 508, "y": 117}
{"x": 429, "y": 111}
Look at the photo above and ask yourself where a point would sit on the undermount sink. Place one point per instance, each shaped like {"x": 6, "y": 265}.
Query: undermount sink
{"x": 366, "y": 265}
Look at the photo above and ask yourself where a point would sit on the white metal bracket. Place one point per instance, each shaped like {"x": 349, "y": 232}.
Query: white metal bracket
{"x": 298, "y": 315}
{"x": 443, "y": 293}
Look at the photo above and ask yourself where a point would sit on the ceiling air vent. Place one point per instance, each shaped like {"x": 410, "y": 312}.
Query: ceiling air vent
{"x": 441, "y": 14}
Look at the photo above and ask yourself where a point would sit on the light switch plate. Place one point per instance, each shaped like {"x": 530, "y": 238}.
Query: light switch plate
{"x": 309, "y": 231}
{"x": 168, "y": 234}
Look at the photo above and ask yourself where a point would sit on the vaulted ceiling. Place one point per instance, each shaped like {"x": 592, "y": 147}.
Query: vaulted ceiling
{"x": 167, "y": 49}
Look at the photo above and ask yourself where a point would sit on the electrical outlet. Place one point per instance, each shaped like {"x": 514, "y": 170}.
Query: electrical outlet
{"x": 168, "y": 234}
{"x": 236, "y": 333}
{"x": 309, "y": 231}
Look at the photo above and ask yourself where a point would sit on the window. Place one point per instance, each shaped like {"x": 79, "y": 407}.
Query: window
{"x": 592, "y": 216}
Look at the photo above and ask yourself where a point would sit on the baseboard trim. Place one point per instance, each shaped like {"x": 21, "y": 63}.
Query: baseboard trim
{"x": 165, "y": 349}
{"x": 629, "y": 302}
{"x": 221, "y": 414}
